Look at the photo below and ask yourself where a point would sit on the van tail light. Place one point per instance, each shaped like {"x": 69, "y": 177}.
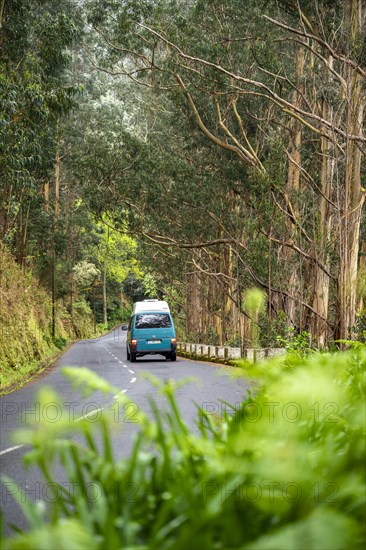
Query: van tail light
{"x": 134, "y": 343}
{"x": 173, "y": 340}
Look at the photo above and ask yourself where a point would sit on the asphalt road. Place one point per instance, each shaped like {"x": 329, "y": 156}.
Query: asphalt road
{"x": 106, "y": 356}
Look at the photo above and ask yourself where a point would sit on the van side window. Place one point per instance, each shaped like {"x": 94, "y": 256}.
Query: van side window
{"x": 153, "y": 320}
{"x": 130, "y": 324}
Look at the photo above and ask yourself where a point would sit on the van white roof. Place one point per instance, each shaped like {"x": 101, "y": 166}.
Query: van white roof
{"x": 150, "y": 305}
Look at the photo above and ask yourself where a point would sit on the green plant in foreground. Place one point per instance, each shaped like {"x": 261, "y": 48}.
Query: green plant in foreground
{"x": 254, "y": 303}
{"x": 284, "y": 469}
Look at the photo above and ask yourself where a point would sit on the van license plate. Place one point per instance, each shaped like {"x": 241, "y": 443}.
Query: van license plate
{"x": 154, "y": 341}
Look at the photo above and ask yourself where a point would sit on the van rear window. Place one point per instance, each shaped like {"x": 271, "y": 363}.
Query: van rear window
{"x": 153, "y": 320}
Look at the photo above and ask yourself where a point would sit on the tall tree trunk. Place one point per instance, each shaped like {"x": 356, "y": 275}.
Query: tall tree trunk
{"x": 193, "y": 304}
{"x": 105, "y": 317}
{"x": 24, "y": 239}
{"x": 321, "y": 279}
{"x": 229, "y": 327}
{"x": 195, "y": 292}
{"x": 354, "y": 197}
{"x": 94, "y": 314}
{"x": 57, "y": 182}
{"x": 293, "y": 184}
{"x": 53, "y": 289}
{"x": 362, "y": 280}
{"x": 47, "y": 196}
{"x": 72, "y": 292}
{"x": 55, "y": 224}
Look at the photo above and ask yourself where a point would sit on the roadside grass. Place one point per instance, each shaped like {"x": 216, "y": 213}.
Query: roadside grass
{"x": 15, "y": 377}
{"x": 26, "y": 341}
{"x": 284, "y": 470}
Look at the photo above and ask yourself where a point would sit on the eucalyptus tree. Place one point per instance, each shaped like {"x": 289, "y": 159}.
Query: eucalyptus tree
{"x": 138, "y": 175}
{"x": 35, "y": 37}
{"x": 286, "y": 83}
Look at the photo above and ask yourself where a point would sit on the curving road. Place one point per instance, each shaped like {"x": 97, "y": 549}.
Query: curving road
{"x": 106, "y": 356}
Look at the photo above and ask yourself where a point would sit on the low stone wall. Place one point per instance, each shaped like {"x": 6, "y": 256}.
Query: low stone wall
{"x": 223, "y": 352}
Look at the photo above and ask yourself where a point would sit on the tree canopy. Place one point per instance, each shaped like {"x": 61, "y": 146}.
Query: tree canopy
{"x": 222, "y": 141}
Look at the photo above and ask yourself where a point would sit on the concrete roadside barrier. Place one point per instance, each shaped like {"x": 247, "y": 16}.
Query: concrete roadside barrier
{"x": 225, "y": 353}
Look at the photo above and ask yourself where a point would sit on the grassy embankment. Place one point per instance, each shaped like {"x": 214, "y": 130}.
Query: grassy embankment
{"x": 26, "y": 343}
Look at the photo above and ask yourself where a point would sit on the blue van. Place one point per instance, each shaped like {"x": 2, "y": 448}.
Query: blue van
{"x": 151, "y": 330}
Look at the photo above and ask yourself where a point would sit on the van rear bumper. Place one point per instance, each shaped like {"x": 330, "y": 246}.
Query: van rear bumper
{"x": 141, "y": 348}
{"x": 149, "y": 350}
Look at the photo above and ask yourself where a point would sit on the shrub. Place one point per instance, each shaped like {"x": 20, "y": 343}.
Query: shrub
{"x": 60, "y": 342}
{"x": 297, "y": 343}
{"x": 360, "y": 327}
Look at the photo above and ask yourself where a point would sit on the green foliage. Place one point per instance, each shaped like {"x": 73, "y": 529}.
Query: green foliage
{"x": 271, "y": 329}
{"x": 180, "y": 177}
{"x": 60, "y": 342}
{"x": 254, "y": 302}
{"x": 114, "y": 252}
{"x": 35, "y": 38}
{"x": 234, "y": 342}
{"x": 117, "y": 313}
{"x": 212, "y": 337}
{"x": 360, "y": 328}
{"x": 284, "y": 469}
{"x": 24, "y": 321}
{"x": 298, "y": 343}
{"x": 85, "y": 274}
{"x": 135, "y": 156}
{"x": 25, "y": 328}
{"x": 149, "y": 284}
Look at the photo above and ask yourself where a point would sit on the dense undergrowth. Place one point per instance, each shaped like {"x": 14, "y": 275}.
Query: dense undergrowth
{"x": 284, "y": 469}
{"x": 25, "y": 322}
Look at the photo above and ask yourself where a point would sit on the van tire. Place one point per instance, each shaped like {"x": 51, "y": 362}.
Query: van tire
{"x": 173, "y": 356}
{"x": 133, "y": 357}
{"x": 128, "y": 355}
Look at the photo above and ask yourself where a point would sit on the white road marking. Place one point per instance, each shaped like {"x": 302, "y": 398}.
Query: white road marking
{"x": 116, "y": 396}
{"x": 11, "y": 449}
{"x": 88, "y": 414}
{"x": 94, "y": 411}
